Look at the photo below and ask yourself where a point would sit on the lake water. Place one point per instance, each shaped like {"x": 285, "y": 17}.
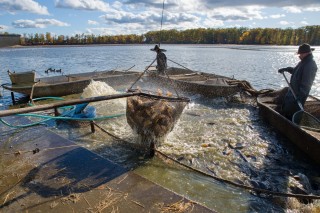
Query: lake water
{"x": 203, "y": 146}
{"x": 256, "y": 64}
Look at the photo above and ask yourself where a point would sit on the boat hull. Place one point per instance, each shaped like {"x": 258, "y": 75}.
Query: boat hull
{"x": 199, "y": 83}
{"x": 187, "y": 81}
{"x": 74, "y": 85}
{"x": 307, "y": 141}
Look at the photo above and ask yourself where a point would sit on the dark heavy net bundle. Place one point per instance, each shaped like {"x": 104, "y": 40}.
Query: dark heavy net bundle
{"x": 153, "y": 118}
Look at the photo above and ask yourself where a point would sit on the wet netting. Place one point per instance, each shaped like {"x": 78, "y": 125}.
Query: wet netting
{"x": 306, "y": 120}
{"x": 152, "y": 117}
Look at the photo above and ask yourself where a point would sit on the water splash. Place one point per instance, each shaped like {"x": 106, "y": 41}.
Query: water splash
{"x": 98, "y": 88}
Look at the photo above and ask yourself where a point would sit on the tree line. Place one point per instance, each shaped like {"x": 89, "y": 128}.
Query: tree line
{"x": 242, "y": 35}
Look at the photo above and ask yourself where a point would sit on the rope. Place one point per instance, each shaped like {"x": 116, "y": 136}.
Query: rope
{"x": 161, "y": 23}
{"x": 172, "y": 84}
{"x": 31, "y": 94}
{"x": 32, "y": 100}
{"x": 179, "y": 65}
{"x": 71, "y": 118}
{"x": 48, "y": 97}
{"x": 161, "y": 155}
{"x": 48, "y": 117}
{"x": 259, "y": 190}
{"x": 24, "y": 125}
{"x": 31, "y": 103}
{"x": 141, "y": 74}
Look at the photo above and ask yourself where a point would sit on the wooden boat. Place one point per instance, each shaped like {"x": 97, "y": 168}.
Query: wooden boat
{"x": 208, "y": 85}
{"x": 70, "y": 84}
{"x": 306, "y": 140}
{"x": 205, "y": 84}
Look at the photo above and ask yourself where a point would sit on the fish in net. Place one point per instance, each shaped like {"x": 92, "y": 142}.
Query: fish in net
{"x": 153, "y": 117}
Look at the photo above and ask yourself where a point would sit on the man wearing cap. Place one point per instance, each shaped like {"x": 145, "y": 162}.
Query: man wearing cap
{"x": 161, "y": 59}
{"x": 303, "y": 75}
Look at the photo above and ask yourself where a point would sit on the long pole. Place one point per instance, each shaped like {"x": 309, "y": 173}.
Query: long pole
{"x": 161, "y": 24}
{"x": 64, "y": 103}
{"x": 294, "y": 95}
{"x": 86, "y": 100}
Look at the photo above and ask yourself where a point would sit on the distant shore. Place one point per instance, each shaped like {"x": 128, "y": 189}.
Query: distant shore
{"x": 89, "y": 45}
{"x": 70, "y": 45}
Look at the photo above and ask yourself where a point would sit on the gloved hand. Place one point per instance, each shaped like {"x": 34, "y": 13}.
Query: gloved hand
{"x": 282, "y": 70}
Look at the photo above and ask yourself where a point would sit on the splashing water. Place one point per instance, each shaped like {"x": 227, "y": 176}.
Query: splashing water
{"x": 98, "y": 88}
{"x": 201, "y": 139}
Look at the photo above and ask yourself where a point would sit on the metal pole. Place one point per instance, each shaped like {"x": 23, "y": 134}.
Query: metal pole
{"x": 12, "y": 98}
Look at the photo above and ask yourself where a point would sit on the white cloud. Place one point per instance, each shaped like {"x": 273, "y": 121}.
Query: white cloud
{"x": 4, "y": 28}
{"x": 123, "y": 29}
{"x": 117, "y": 5}
{"x": 130, "y": 16}
{"x": 38, "y": 23}
{"x": 312, "y": 9}
{"x": 90, "y": 22}
{"x": 210, "y": 4}
{"x": 236, "y": 13}
{"x": 23, "y": 5}
{"x": 276, "y": 16}
{"x": 211, "y": 23}
{"x": 304, "y": 23}
{"x": 292, "y": 9}
{"x": 147, "y": 20}
{"x": 284, "y": 22}
{"x": 140, "y": 16}
{"x": 83, "y": 5}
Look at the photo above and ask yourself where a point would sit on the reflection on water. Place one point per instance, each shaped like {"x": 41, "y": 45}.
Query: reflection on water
{"x": 224, "y": 138}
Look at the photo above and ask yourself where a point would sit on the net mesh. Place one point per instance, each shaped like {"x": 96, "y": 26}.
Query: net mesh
{"x": 153, "y": 118}
{"x": 306, "y": 120}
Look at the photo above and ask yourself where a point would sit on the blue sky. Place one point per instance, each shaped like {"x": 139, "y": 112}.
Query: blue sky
{"x": 106, "y": 17}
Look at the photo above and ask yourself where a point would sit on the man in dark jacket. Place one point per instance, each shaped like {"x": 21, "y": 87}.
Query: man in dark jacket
{"x": 161, "y": 59}
{"x": 303, "y": 75}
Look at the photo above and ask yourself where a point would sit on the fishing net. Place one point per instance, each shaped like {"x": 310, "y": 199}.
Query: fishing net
{"x": 306, "y": 120}
{"x": 153, "y": 117}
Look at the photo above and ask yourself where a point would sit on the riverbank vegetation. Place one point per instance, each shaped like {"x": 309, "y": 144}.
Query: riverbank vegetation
{"x": 242, "y": 35}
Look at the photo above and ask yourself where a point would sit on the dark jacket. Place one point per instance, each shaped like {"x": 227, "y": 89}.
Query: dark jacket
{"x": 301, "y": 81}
{"x": 161, "y": 62}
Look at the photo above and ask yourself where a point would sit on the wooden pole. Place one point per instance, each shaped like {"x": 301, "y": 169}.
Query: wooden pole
{"x": 93, "y": 129}
{"x": 65, "y": 103}
{"x": 86, "y": 100}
